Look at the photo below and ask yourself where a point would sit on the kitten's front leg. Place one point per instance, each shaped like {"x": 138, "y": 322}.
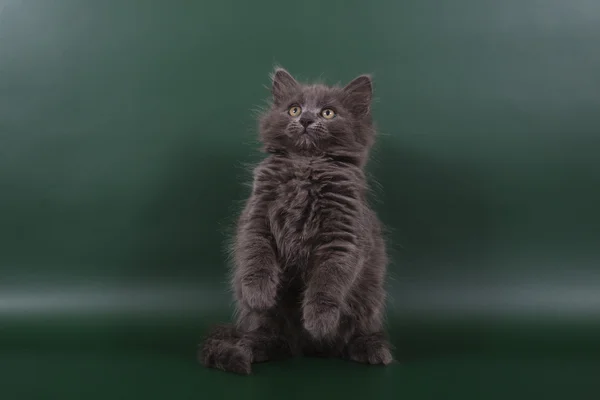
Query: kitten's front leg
{"x": 256, "y": 277}
{"x": 335, "y": 267}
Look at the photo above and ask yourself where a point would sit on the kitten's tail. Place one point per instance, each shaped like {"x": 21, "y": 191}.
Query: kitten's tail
{"x": 222, "y": 349}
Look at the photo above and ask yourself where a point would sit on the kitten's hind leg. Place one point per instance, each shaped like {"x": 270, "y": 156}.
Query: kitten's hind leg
{"x": 258, "y": 337}
{"x": 267, "y": 345}
{"x": 372, "y": 348}
{"x": 264, "y": 335}
{"x": 223, "y": 349}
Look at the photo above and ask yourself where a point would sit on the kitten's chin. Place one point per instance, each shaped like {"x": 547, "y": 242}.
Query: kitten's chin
{"x": 305, "y": 142}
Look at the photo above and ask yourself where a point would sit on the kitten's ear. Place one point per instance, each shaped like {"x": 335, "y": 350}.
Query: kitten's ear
{"x": 284, "y": 84}
{"x": 358, "y": 95}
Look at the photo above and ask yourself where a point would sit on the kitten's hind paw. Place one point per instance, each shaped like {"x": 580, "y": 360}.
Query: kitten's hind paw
{"x": 370, "y": 349}
{"x": 227, "y": 357}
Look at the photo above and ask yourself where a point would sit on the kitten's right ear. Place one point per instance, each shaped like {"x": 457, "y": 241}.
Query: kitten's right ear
{"x": 358, "y": 95}
{"x": 284, "y": 84}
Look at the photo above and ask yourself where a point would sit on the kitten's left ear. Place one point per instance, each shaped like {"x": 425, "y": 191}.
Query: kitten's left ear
{"x": 358, "y": 95}
{"x": 284, "y": 85}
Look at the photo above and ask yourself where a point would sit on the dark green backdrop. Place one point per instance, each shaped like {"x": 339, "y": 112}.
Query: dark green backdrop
{"x": 124, "y": 130}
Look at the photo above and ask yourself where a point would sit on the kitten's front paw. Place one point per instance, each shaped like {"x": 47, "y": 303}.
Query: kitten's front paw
{"x": 321, "y": 318}
{"x": 259, "y": 290}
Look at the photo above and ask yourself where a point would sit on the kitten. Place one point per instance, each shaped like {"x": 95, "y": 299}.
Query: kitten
{"x": 309, "y": 255}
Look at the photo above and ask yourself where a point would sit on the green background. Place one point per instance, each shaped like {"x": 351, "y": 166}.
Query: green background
{"x": 125, "y": 131}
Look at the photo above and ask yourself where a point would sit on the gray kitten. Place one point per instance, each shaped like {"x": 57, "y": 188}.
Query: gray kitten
{"x": 309, "y": 255}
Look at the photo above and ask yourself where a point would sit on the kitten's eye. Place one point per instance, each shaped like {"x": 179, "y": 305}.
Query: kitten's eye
{"x": 294, "y": 111}
{"x": 328, "y": 113}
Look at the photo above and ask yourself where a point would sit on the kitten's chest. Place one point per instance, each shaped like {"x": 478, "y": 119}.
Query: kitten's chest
{"x": 297, "y": 212}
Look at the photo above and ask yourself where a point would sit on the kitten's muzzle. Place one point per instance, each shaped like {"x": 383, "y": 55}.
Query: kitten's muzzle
{"x": 305, "y": 121}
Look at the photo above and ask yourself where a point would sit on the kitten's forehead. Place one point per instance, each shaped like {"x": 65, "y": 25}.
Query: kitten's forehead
{"x": 317, "y": 94}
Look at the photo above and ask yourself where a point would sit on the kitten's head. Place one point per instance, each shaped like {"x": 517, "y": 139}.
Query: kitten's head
{"x": 319, "y": 120}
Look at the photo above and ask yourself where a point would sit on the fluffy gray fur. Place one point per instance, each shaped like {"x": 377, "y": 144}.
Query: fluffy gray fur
{"x": 309, "y": 255}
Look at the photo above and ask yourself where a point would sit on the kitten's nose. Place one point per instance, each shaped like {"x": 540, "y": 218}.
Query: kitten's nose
{"x": 306, "y": 120}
